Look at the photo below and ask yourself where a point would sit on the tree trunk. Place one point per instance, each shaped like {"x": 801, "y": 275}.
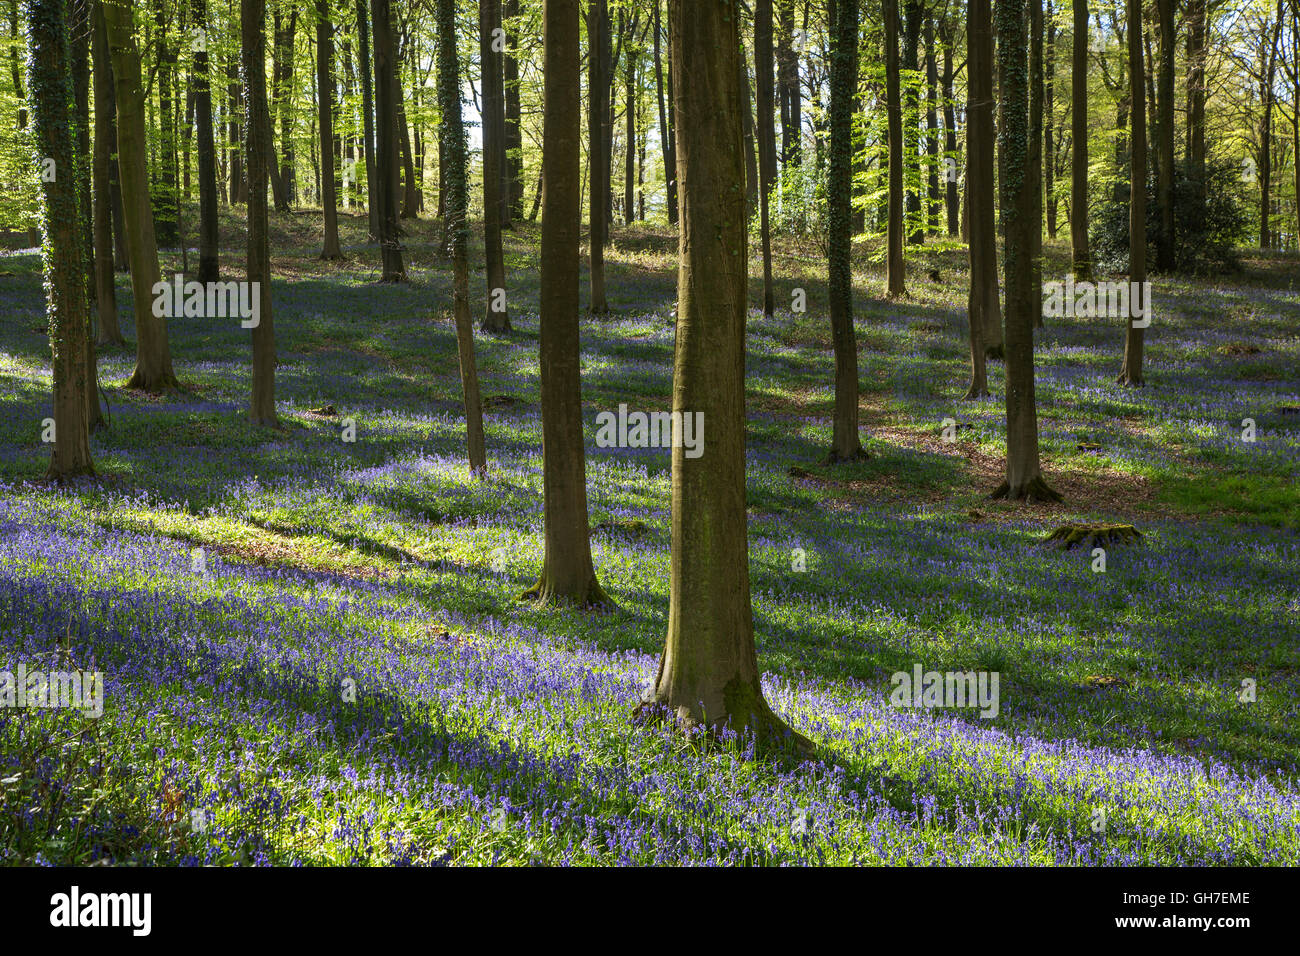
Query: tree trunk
{"x": 514, "y": 144}
{"x": 894, "y": 256}
{"x": 209, "y": 266}
{"x": 368, "y": 120}
{"x": 665, "y": 124}
{"x": 912, "y": 16}
{"x": 235, "y": 104}
{"x": 386, "y": 167}
{"x": 496, "y": 317}
{"x": 931, "y": 132}
{"x": 54, "y": 132}
{"x": 1082, "y": 259}
{"x": 747, "y": 130}
{"x": 1024, "y": 477}
{"x": 258, "y": 159}
{"x": 165, "y": 211}
{"x": 79, "y": 23}
{"x": 708, "y": 674}
{"x": 410, "y": 187}
{"x": 765, "y": 97}
{"x": 1034, "y": 172}
{"x": 629, "y": 127}
{"x": 1268, "y": 97}
{"x": 1131, "y": 370}
{"x": 153, "y": 366}
{"x": 1166, "y": 251}
{"x": 597, "y": 88}
{"x": 1196, "y": 102}
{"x": 1049, "y": 125}
{"x": 105, "y": 144}
{"x": 568, "y": 575}
{"x": 457, "y": 196}
{"x": 952, "y": 197}
{"x": 843, "y": 26}
{"x": 15, "y": 69}
{"x": 282, "y": 71}
{"x": 983, "y": 251}
{"x": 325, "y": 93}
{"x": 788, "y": 49}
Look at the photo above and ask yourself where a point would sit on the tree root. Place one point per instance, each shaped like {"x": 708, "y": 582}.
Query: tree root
{"x": 545, "y": 594}
{"x": 834, "y": 458}
{"x": 771, "y": 736}
{"x": 1033, "y": 491}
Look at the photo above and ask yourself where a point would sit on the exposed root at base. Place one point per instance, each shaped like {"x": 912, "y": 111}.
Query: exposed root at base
{"x": 592, "y": 599}
{"x": 772, "y": 737}
{"x": 1034, "y": 491}
{"x": 834, "y": 458}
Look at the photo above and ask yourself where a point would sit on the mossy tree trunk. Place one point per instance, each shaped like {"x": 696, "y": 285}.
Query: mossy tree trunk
{"x": 843, "y": 16}
{"x": 1024, "y": 476}
{"x": 257, "y": 160}
{"x": 1131, "y": 370}
{"x": 494, "y": 131}
{"x": 983, "y": 252}
{"x": 79, "y": 29}
{"x": 708, "y": 673}
{"x": 54, "y": 129}
{"x": 568, "y": 575}
{"x": 456, "y": 197}
{"x": 153, "y": 365}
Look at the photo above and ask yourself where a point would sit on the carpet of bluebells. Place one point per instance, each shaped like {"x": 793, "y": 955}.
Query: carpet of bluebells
{"x": 349, "y": 679}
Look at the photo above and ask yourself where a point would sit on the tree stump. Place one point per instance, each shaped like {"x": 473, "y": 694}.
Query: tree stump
{"x": 1090, "y": 536}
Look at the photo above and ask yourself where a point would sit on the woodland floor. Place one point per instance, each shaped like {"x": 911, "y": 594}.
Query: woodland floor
{"x": 485, "y": 730}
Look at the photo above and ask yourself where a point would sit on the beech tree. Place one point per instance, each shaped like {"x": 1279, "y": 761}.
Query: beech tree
{"x": 1024, "y": 473}
{"x": 1131, "y": 370}
{"x": 496, "y": 317}
{"x": 456, "y": 195}
{"x": 845, "y": 442}
{"x": 110, "y": 333}
{"x": 1082, "y": 260}
{"x": 597, "y": 105}
{"x": 708, "y": 674}
{"x": 54, "y": 127}
{"x": 982, "y": 301}
{"x": 386, "y": 160}
{"x": 209, "y": 265}
{"x": 325, "y": 96}
{"x": 764, "y": 83}
{"x": 568, "y": 575}
{"x": 894, "y": 264}
{"x": 153, "y": 364}
{"x": 257, "y": 160}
